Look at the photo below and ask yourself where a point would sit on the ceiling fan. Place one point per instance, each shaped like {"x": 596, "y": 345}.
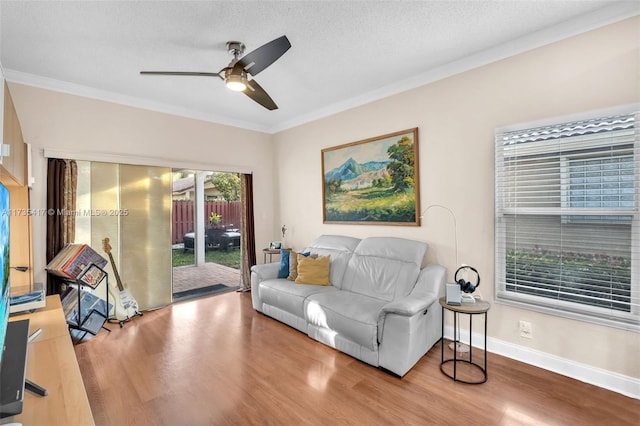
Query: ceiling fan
{"x": 235, "y": 74}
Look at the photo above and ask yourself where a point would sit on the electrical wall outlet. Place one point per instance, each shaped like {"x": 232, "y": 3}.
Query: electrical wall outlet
{"x": 526, "y": 330}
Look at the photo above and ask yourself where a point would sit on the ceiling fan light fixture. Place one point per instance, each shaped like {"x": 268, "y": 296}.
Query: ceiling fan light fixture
{"x": 235, "y": 82}
{"x": 235, "y": 75}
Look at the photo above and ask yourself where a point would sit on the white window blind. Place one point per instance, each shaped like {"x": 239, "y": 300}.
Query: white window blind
{"x": 568, "y": 221}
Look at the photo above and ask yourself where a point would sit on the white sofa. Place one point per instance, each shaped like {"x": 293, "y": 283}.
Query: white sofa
{"x": 381, "y": 307}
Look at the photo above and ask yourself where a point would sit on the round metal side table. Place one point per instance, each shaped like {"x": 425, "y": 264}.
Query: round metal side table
{"x": 481, "y": 307}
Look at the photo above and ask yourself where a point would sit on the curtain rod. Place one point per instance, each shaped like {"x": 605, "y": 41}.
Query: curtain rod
{"x": 143, "y": 161}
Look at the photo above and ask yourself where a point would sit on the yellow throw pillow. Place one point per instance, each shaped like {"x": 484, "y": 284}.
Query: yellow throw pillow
{"x": 293, "y": 264}
{"x": 313, "y": 271}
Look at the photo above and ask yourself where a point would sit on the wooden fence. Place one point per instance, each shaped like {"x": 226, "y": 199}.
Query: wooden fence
{"x": 230, "y": 211}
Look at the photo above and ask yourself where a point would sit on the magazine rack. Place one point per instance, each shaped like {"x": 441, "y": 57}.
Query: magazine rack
{"x": 92, "y": 318}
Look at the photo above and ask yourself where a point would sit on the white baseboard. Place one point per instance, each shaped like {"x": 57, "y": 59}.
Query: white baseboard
{"x": 619, "y": 383}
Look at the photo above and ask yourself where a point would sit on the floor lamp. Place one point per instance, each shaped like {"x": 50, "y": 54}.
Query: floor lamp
{"x": 460, "y": 347}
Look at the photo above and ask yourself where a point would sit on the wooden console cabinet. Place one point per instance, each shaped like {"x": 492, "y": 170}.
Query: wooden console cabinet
{"x": 52, "y": 364}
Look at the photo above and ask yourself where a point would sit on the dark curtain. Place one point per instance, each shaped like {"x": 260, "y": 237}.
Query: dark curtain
{"x": 55, "y": 226}
{"x": 248, "y": 240}
{"x": 62, "y": 183}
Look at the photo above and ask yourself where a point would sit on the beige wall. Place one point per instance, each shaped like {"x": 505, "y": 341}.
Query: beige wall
{"x": 456, "y": 118}
{"x": 103, "y": 131}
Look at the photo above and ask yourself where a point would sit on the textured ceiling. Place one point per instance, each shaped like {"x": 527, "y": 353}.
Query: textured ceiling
{"x": 343, "y": 54}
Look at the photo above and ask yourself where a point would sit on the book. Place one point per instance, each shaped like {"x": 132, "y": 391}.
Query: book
{"x": 73, "y": 259}
{"x": 93, "y": 310}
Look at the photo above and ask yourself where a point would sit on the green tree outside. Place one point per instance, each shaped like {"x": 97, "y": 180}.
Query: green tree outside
{"x": 228, "y": 184}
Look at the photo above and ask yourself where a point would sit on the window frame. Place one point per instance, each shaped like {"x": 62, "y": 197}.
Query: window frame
{"x": 582, "y": 312}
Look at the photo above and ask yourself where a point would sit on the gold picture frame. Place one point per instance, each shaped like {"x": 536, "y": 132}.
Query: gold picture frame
{"x": 373, "y": 181}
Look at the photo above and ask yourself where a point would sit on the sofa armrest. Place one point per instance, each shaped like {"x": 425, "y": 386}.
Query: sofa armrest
{"x": 266, "y": 271}
{"x": 409, "y": 305}
{"x": 261, "y": 273}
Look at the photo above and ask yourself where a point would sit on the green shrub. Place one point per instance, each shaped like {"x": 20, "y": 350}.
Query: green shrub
{"x": 578, "y": 277}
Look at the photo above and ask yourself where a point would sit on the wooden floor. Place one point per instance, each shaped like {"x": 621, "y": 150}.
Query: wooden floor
{"x": 215, "y": 361}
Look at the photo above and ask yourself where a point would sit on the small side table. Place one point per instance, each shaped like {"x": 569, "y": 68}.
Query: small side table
{"x": 270, "y": 253}
{"x": 481, "y": 307}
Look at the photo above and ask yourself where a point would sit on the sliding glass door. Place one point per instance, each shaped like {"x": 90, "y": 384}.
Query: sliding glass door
{"x": 130, "y": 205}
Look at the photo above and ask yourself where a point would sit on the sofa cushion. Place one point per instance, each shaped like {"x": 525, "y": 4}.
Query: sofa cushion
{"x": 313, "y": 270}
{"x": 384, "y": 267}
{"x": 340, "y": 248}
{"x": 353, "y": 316}
{"x": 288, "y": 295}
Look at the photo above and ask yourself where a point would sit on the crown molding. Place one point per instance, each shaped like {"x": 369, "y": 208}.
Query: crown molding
{"x": 46, "y": 83}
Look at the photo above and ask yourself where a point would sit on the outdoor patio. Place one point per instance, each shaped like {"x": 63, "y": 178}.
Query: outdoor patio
{"x": 192, "y": 277}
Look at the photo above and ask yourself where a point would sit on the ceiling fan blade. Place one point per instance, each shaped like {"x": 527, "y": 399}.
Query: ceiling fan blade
{"x": 259, "y": 59}
{"x": 201, "y": 74}
{"x": 257, "y": 93}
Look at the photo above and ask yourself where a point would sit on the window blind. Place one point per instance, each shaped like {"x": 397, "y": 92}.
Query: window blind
{"x": 567, "y": 219}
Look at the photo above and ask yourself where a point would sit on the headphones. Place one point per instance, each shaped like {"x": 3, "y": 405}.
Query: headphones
{"x": 466, "y": 286}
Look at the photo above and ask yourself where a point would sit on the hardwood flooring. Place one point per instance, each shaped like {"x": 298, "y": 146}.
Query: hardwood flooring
{"x": 216, "y": 361}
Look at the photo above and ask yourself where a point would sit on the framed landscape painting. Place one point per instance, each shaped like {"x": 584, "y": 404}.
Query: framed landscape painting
{"x": 374, "y": 181}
